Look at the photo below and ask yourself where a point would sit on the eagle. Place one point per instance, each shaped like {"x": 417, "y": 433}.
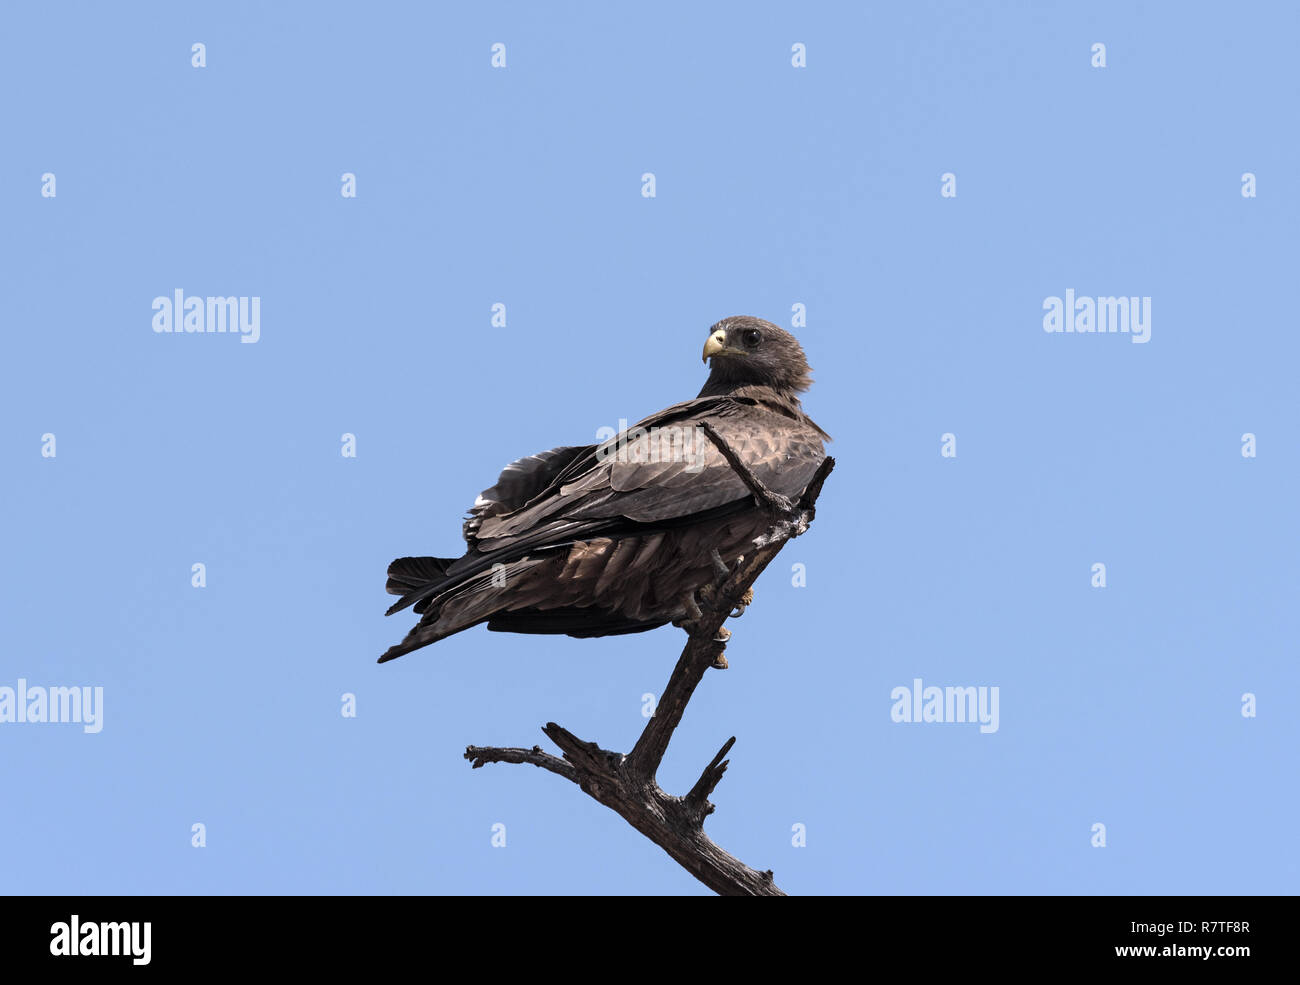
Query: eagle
{"x": 618, "y": 536}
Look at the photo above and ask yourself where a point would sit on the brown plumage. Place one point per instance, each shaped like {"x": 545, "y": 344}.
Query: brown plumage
{"x": 598, "y": 540}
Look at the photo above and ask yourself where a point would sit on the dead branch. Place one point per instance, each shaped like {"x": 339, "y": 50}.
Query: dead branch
{"x": 626, "y": 783}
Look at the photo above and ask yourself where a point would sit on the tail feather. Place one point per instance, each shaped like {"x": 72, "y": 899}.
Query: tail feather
{"x": 457, "y": 604}
{"x": 409, "y": 577}
{"x": 469, "y": 606}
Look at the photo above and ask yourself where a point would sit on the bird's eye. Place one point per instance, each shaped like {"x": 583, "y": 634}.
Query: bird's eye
{"x": 752, "y": 337}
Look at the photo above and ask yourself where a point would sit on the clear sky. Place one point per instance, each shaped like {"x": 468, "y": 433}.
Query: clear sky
{"x": 775, "y": 186}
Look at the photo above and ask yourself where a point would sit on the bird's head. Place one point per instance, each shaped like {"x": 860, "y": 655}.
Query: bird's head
{"x": 747, "y": 351}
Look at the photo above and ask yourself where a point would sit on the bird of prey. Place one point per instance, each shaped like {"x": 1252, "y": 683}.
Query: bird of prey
{"x": 616, "y": 537}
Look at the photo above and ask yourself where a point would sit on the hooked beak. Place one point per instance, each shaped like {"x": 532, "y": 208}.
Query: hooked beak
{"x": 717, "y": 343}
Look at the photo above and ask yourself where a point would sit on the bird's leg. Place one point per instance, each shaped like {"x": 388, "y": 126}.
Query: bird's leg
{"x": 720, "y": 568}
{"x": 693, "y": 613}
{"x": 695, "y": 602}
{"x": 722, "y": 572}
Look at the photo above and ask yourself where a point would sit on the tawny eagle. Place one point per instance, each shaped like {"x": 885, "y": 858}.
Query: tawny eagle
{"x": 616, "y": 537}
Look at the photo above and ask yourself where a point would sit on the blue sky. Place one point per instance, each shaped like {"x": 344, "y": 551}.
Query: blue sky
{"x": 775, "y": 186}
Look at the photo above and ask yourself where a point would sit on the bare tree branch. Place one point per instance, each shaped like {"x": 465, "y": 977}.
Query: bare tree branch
{"x": 627, "y": 784}
{"x": 698, "y": 798}
{"x": 480, "y": 756}
{"x": 773, "y": 502}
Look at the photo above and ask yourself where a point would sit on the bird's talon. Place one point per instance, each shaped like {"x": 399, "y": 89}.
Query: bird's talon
{"x": 720, "y": 661}
{"x": 743, "y": 603}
